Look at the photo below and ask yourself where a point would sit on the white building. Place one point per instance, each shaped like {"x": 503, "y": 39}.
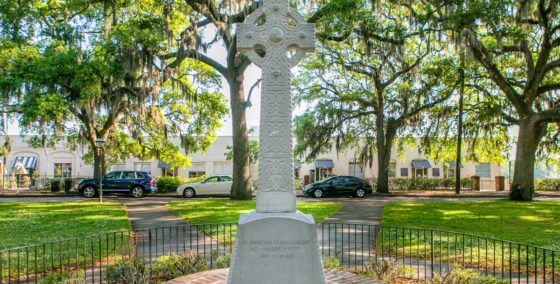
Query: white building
{"x": 59, "y": 161}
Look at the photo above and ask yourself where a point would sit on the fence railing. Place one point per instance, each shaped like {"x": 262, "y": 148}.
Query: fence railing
{"x": 23, "y": 182}
{"x": 421, "y": 253}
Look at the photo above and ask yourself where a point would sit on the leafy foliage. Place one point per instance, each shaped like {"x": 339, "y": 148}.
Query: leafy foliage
{"x": 170, "y": 184}
{"x": 378, "y": 79}
{"x": 93, "y": 70}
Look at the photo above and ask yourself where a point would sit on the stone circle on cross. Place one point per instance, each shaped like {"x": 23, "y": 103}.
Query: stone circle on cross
{"x": 274, "y": 30}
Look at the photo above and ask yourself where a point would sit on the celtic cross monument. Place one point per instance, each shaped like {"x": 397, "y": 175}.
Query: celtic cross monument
{"x": 276, "y": 244}
{"x": 267, "y": 37}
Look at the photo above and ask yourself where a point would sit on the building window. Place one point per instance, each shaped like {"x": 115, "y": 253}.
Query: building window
{"x": 321, "y": 174}
{"x": 404, "y": 172}
{"x": 420, "y": 173}
{"x": 170, "y": 172}
{"x": 483, "y": 170}
{"x": 196, "y": 170}
{"x": 355, "y": 169}
{"x": 435, "y": 172}
{"x": 393, "y": 169}
{"x": 448, "y": 172}
{"x": 143, "y": 166}
{"x": 223, "y": 168}
{"x": 62, "y": 170}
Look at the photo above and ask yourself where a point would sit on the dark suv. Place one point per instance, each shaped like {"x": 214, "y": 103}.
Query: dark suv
{"x": 339, "y": 185}
{"x": 135, "y": 183}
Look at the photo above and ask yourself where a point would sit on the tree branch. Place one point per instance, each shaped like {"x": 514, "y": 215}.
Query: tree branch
{"x": 482, "y": 55}
{"x": 181, "y": 54}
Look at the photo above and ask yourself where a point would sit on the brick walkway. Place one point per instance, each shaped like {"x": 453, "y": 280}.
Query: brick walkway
{"x": 219, "y": 276}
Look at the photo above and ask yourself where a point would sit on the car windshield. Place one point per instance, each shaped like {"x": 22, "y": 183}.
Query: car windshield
{"x": 326, "y": 179}
{"x": 211, "y": 179}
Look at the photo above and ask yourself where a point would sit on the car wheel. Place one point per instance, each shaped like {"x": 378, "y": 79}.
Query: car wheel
{"x": 137, "y": 192}
{"x": 360, "y": 193}
{"x": 188, "y": 192}
{"x": 317, "y": 193}
{"x": 89, "y": 191}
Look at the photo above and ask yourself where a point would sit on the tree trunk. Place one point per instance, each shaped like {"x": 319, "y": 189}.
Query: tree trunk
{"x": 522, "y": 187}
{"x": 242, "y": 183}
{"x": 384, "y": 146}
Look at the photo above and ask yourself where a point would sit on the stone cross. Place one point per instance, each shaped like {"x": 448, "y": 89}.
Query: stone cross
{"x": 275, "y": 38}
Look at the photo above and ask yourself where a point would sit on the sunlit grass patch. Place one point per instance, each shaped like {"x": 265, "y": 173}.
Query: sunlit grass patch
{"x": 206, "y": 211}
{"x": 61, "y": 234}
{"x": 472, "y": 232}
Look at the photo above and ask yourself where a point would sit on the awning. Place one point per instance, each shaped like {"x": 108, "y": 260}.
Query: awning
{"x": 163, "y": 165}
{"x": 324, "y": 164}
{"x": 421, "y": 164}
{"x": 297, "y": 165}
{"x": 452, "y": 165}
{"x": 28, "y": 162}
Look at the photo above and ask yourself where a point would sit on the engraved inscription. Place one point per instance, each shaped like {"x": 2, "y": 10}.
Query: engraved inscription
{"x": 276, "y": 249}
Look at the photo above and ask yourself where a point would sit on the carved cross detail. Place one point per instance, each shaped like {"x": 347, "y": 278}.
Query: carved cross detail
{"x": 276, "y": 38}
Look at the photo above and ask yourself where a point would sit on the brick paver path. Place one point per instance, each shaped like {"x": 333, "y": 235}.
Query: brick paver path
{"x": 219, "y": 276}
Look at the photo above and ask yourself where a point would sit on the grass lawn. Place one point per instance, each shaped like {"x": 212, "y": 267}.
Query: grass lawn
{"x": 534, "y": 223}
{"x": 33, "y": 223}
{"x": 225, "y": 211}
{"x": 29, "y": 223}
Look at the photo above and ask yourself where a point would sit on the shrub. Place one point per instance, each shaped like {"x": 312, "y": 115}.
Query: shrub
{"x": 172, "y": 266}
{"x": 386, "y": 270}
{"x": 223, "y": 259}
{"x": 547, "y": 184}
{"x": 128, "y": 271}
{"x": 298, "y": 184}
{"x": 402, "y": 184}
{"x": 463, "y": 276}
{"x": 170, "y": 184}
{"x": 75, "y": 277}
{"x": 330, "y": 262}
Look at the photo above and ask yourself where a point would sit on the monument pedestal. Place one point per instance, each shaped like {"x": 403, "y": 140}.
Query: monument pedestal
{"x": 276, "y": 248}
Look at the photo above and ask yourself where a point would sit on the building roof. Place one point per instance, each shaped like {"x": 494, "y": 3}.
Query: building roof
{"x": 421, "y": 164}
{"x": 324, "y": 164}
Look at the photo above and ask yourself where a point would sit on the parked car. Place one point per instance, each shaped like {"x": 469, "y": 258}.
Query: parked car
{"x": 339, "y": 185}
{"x": 211, "y": 185}
{"x": 135, "y": 183}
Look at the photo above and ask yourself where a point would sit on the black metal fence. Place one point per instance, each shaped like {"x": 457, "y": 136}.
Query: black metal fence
{"x": 23, "y": 182}
{"x": 421, "y": 252}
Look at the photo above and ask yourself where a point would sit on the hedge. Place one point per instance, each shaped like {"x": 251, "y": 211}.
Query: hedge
{"x": 170, "y": 184}
{"x": 547, "y": 184}
{"x": 401, "y": 184}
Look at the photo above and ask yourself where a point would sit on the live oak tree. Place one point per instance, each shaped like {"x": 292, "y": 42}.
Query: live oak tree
{"x": 518, "y": 45}
{"x": 89, "y": 70}
{"x": 217, "y": 19}
{"x": 371, "y": 82}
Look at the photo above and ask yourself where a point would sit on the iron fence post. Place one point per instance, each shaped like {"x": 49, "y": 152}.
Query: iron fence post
{"x": 432, "y": 253}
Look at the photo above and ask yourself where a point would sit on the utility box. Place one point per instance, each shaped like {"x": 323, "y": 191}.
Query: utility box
{"x": 500, "y": 183}
{"x": 475, "y": 183}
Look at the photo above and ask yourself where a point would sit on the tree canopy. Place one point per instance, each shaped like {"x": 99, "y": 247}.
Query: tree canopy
{"x": 87, "y": 70}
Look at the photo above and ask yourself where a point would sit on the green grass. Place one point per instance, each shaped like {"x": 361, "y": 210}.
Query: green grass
{"x": 226, "y": 211}
{"x": 34, "y": 223}
{"x": 29, "y": 223}
{"x": 534, "y": 223}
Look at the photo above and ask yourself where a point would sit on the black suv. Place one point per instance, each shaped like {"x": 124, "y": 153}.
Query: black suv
{"x": 135, "y": 183}
{"x": 339, "y": 185}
